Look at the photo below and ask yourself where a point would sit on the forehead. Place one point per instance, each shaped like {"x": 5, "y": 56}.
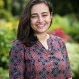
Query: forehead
{"x": 39, "y": 8}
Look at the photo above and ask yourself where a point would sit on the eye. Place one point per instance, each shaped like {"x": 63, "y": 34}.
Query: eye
{"x": 33, "y": 16}
{"x": 44, "y": 15}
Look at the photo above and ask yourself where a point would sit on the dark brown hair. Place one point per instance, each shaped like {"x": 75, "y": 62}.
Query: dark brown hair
{"x": 25, "y": 32}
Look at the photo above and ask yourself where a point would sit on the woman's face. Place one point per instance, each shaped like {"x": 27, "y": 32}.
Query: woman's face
{"x": 40, "y": 18}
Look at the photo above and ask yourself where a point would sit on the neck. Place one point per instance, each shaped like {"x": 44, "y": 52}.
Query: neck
{"x": 42, "y": 37}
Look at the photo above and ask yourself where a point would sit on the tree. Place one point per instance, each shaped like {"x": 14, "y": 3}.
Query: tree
{"x": 63, "y": 7}
{"x": 18, "y": 6}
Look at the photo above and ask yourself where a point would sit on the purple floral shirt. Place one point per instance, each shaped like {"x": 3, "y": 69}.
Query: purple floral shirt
{"x": 38, "y": 63}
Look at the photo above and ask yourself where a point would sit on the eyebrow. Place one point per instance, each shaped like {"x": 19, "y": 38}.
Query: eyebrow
{"x": 41, "y": 13}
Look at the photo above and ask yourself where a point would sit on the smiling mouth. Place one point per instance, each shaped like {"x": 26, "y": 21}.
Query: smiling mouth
{"x": 41, "y": 25}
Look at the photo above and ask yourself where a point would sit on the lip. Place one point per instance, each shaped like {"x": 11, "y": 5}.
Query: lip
{"x": 40, "y": 25}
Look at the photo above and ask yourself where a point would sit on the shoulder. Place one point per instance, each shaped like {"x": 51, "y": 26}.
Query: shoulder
{"x": 18, "y": 43}
{"x": 56, "y": 38}
{"x": 17, "y": 46}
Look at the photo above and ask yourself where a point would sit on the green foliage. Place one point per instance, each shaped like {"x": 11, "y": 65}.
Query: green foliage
{"x": 73, "y": 52}
{"x": 5, "y": 4}
{"x": 4, "y": 14}
{"x": 73, "y": 27}
{"x": 1, "y": 4}
{"x": 18, "y": 6}
{"x": 64, "y": 7}
{"x": 4, "y": 74}
{"x": 8, "y": 35}
{"x": 68, "y": 23}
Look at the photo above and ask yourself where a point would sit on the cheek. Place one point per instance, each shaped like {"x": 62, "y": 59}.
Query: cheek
{"x": 33, "y": 21}
{"x": 48, "y": 19}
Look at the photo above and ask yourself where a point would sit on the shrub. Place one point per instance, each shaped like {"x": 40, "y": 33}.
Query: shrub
{"x": 73, "y": 53}
{"x": 60, "y": 33}
{"x": 68, "y": 23}
{"x": 5, "y": 14}
{"x": 7, "y": 36}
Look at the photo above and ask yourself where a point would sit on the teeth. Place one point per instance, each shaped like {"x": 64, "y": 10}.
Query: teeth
{"x": 40, "y": 25}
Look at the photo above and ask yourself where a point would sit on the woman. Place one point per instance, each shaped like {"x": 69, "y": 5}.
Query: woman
{"x": 36, "y": 54}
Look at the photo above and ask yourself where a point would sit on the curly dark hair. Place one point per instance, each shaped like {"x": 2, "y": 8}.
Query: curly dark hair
{"x": 25, "y": 32}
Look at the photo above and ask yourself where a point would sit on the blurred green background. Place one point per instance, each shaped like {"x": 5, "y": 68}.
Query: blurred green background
{"x": 65, "y": 24}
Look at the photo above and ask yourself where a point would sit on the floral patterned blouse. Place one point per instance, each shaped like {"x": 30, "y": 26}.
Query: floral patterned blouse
{"x": 38, "y": 63}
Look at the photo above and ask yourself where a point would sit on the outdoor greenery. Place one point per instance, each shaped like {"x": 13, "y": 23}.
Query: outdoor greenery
{"x": 7, "y": 36}
{"x": 8, "y": 31}
{"x": 67, "y": 25}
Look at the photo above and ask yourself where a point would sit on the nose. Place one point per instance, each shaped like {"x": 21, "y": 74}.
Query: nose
{"x": 40, "y": 19}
